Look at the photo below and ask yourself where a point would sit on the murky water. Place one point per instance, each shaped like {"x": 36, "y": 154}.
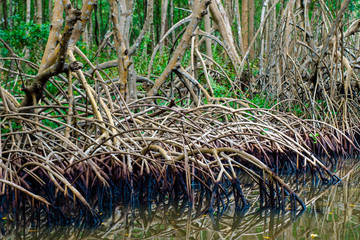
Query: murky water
{"x": 333, "y": 212}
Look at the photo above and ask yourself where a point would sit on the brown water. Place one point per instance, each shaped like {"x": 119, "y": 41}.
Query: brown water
{"x": 333, "y": 212}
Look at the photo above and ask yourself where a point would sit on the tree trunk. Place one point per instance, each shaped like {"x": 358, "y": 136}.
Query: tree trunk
{"x": 97, "y": 29}
{"x": 91, "y": 33}
{"x": 39, "y": 15}
{"x": 11, "y": 12}
{"x": 172, "y": 19}
{"x": 220, "y": 18}
{"x": 208, "y": 40}
{"x": 34, "y": 92}
{"x": 50, "y": 6}
{"x": 125, "y": 10}
{"x": 164, "y": 7}
{"x": 273, "y": 77}
{"x": 251, "y": 24}
{"x": 245, "y": 23}
{"x": 199, "y": 11}
{"x": 54, "y": 34}
{"x": 263, "y": 45}
{"x": 28, "y": 11}
{"x": 124, "y": 20}
{"x": 4, "y": 9}
{"x": 121, "y": 50}
{"x": 132, "y": 75}
{"x": 85, "y": 37}
{"x": 229, "y": 9}
{"x": 238, "y": 27}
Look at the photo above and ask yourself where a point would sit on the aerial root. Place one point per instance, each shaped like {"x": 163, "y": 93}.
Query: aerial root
{"x": 239, "y": 195}
{"x": 175, "y": 153}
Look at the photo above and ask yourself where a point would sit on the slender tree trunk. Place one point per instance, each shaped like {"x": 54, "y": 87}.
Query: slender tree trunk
{"x": 97, "y": 24}
{"x": 86, "y": 12}
{"x": 49, "y": 58}
{"x": 306, "y": 16}
{"x": 91, "y": 32}
{"x": 132, "y": 75}
{"x": 34, "y": 92}
{"x": 50, "y": 6}
{"x": 27, "y": 20}
{"x": 263, "y": 38}
{"x": 251, "y": 25}
{"x": 220, "y": 18}
{"x": 28, "y": 10}
{"x": 85, "y": 37}
{"x": 122, "y": 16}
{"x": 164, "y": 7}
{"x": 172, "y": 19}
{"x": 238, "y": 27}
{"x": 229, "y": 9}
{"x": 199, "y": 11}
{"x": 100, "y": 21}
{"x": 121, "y": 50}
{"x": 129, "y": 13}
{"x": 39, "y": 15}
{"x": 245, "y": 23}
{"x": 273, "y": 77}
{"x": 208, "y": 40}
{"x": 124, "y": 23}
{"x": 5, "y": 14}
{"x": 54, "y": 34}
{"x": 152, "y": 34}
{"x": 11, "y": 12}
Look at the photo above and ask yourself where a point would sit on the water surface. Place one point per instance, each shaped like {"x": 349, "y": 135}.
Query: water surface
{"x": 333, "y": 212}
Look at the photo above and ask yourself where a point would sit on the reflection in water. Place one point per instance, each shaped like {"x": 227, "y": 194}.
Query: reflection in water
{"x": 333, "y": 212}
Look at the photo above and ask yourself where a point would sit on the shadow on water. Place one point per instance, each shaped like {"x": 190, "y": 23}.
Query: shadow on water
{"x": 333, "y": 212}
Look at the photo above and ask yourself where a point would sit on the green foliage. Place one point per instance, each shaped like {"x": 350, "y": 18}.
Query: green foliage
{"x": 220, "y": 90}
{"x": 297, "y": 110}
{"x": 261, "y": 101}
{"x": 5, "y": 127}
{"x": 314, "y": 136}
{"x": 354, "y": 8}
{"x": 25, "y": 35}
